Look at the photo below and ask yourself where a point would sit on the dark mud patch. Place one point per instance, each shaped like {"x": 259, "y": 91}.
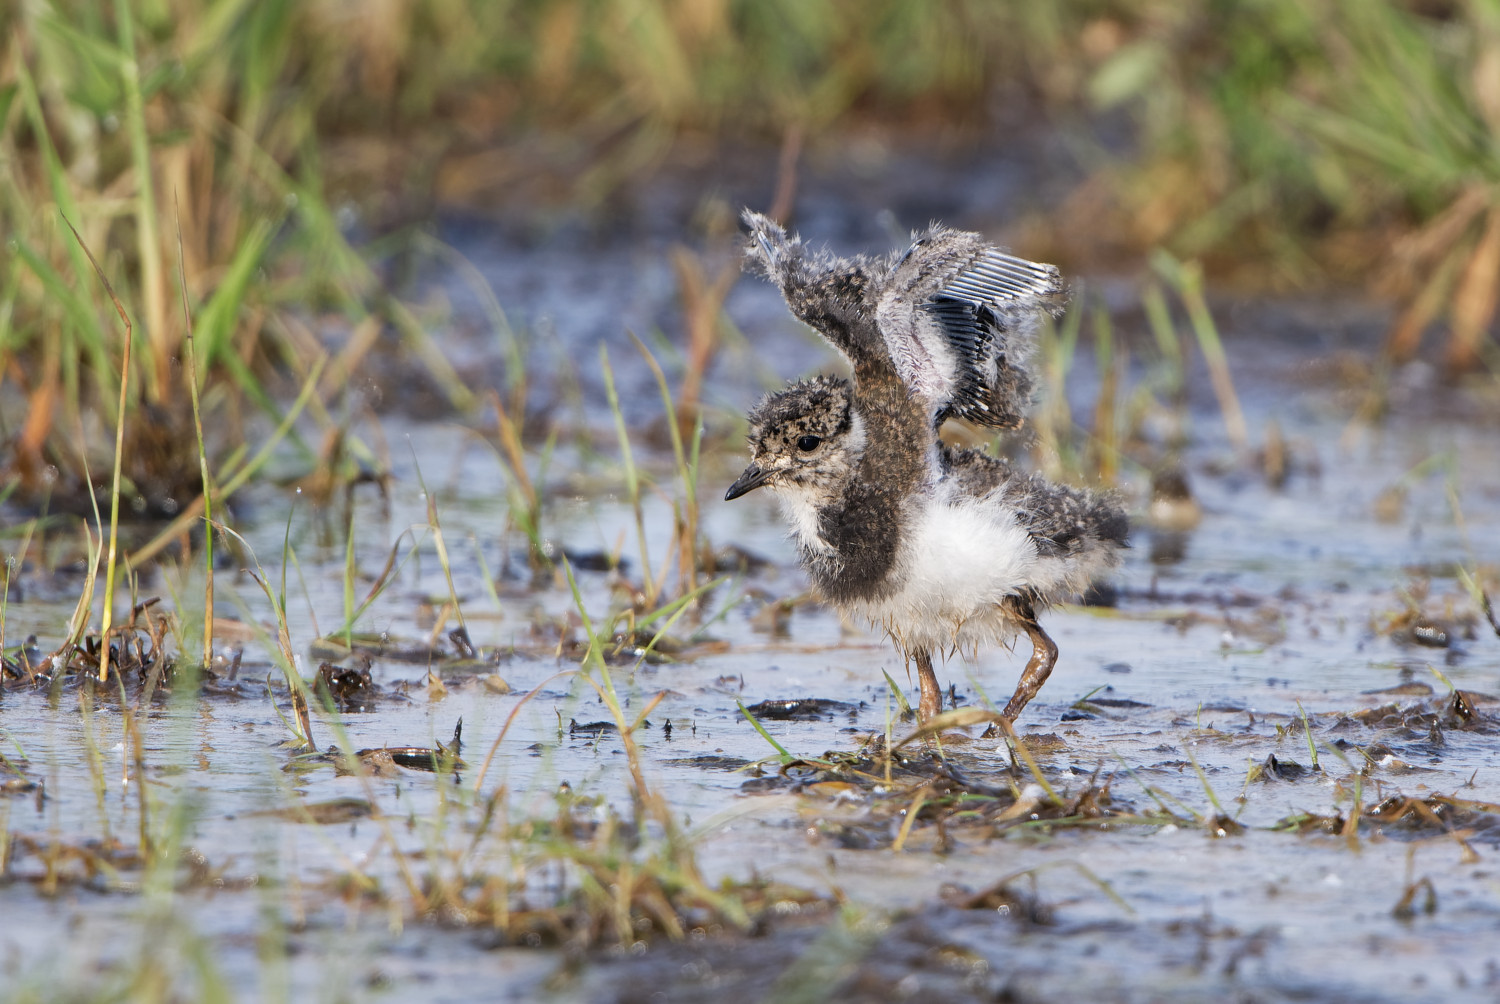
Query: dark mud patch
{"x": 709, "y": 762}
{"x": 349, "y": 688}
{"x": 592, "y": 730}
{"x": 804, "y": 709}
{"x": 458, "y": 655}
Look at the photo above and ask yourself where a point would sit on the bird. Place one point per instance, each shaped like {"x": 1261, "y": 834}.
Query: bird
{"x": 944, "y": 548}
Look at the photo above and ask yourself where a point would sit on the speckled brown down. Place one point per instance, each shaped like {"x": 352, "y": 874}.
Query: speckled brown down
{"x": 943, "y": 548}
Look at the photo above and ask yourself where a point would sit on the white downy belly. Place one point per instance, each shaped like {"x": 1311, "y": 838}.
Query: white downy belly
{"x": 959, "y": 564}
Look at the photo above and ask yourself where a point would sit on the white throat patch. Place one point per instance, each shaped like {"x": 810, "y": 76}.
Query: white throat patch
{"x": 802, "y": 503}
{"x": 801, "y": 511}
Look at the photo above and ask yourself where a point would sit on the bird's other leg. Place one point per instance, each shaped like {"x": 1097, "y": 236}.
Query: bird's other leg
{"x": 931, "y": 702}
{"x": 1043, "y": 657}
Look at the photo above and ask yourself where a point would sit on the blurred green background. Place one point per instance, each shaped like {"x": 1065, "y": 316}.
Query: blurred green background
{"x": 1286, "y": 144}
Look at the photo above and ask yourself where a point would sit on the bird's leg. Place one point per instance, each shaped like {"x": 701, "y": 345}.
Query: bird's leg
{"x": 1043, "y": 657}
{"x": 931, "y": 702}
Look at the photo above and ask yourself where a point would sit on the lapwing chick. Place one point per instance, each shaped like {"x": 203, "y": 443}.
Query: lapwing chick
{"x": 944, "y": 548}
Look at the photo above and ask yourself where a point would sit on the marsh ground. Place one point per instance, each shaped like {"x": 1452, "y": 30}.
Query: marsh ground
{"x": 1271, "y": 756}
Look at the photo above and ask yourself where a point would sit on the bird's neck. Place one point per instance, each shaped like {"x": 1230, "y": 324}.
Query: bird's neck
{"x": 859, "y": 532}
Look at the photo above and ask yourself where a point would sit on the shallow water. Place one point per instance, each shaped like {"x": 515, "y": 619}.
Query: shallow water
{"x": 1279, "y": 604}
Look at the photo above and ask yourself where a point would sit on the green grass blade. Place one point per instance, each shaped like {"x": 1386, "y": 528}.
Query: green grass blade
{"x": 780, "y": 749}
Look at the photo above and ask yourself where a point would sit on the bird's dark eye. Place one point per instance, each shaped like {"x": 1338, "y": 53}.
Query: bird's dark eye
{"x": 808, "y": 443}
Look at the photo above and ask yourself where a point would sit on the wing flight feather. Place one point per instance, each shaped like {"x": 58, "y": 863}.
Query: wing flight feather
{"x": 958, "y": 317}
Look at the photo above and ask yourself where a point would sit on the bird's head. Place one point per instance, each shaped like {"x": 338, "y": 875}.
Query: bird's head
{"x": 804, "y": 441}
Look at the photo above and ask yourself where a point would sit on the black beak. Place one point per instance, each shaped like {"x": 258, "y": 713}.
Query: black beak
{"x": 753, "y": 478}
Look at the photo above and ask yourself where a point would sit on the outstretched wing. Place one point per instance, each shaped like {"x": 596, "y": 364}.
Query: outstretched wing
{"x": 957, "y": 316}
{"x": 825, "y": 291}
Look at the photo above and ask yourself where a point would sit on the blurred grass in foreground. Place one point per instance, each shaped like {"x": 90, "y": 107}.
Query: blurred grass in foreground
{"x": 1289, "y": 142}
